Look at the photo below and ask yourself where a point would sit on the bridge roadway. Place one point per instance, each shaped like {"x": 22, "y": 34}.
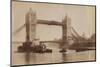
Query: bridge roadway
{"x": 19, "y": 42}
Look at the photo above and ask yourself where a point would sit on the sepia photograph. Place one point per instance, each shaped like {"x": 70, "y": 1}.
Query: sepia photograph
{"x": 52, "y": 33}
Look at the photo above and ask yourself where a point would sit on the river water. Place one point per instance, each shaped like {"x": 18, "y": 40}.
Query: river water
{"x": 54, "y": 57}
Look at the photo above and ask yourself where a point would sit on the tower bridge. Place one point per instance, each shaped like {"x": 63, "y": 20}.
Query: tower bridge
{"x": 31, "y": 22}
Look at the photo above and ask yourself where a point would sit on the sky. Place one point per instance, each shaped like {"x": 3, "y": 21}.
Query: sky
{"x": 82, "y": 19}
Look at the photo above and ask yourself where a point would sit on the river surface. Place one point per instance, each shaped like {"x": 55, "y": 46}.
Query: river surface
{"x": 54, "y": 57}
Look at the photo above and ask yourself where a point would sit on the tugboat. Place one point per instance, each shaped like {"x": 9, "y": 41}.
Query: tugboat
{"x": 27, "y": 47}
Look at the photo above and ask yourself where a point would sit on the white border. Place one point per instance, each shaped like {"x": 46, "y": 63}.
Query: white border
{"x": 5, "y": 33}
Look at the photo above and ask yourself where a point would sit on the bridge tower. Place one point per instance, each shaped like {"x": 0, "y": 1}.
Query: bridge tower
{"x": 66, "y": 32}
{"x": 30, "y": 25}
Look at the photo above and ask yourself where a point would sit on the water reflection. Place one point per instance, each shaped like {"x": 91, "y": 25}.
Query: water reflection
{"x": 27, "y": 57}
{"x": 54, "y": 57}
{"x": 43, "y": 58}
{"x": 64, "y": 57}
